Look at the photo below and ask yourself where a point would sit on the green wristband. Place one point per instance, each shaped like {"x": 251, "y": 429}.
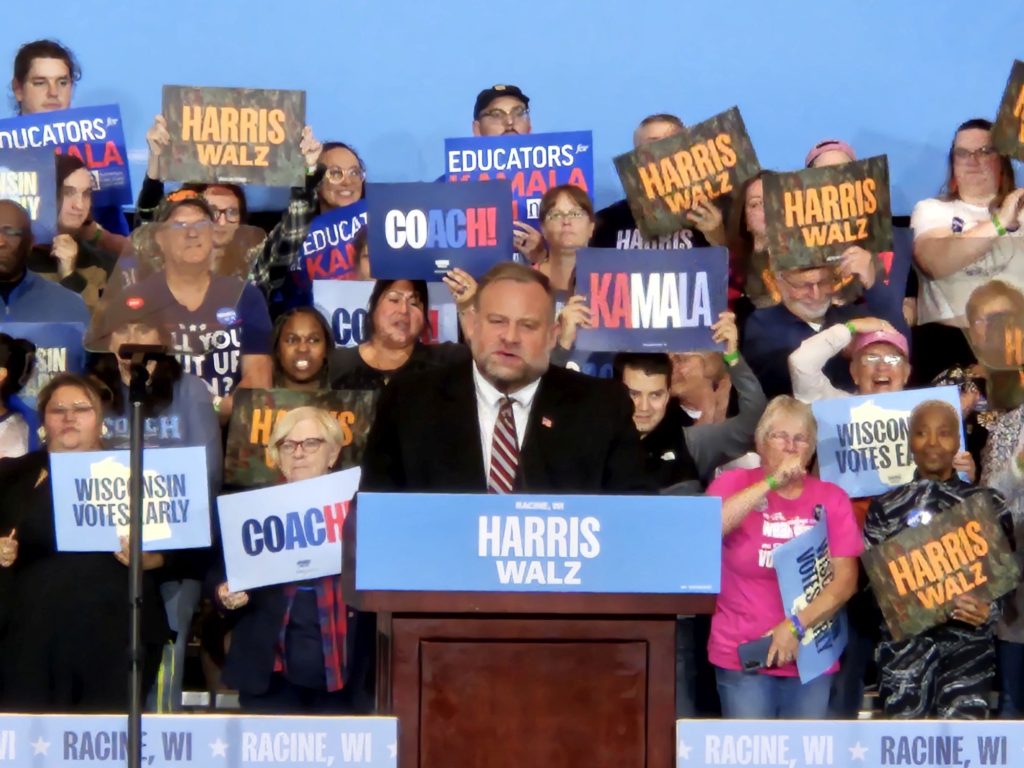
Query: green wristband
{"x": 772, "y": 482}
{"x": 851, "y": 327}
{"x": 1000, "y": 229}
{"x": 731, "y": 358}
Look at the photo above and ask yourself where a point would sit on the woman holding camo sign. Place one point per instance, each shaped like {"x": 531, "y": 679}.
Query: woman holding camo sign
{"x": 291, "y": 644}
{"x": 763, "y": 508}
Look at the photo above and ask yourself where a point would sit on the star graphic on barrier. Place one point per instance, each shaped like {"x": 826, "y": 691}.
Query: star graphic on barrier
{"x": 392, "y": 750}
{"x": 857, "y": 751}
{"x": 683, "y": 750}
{"x": 219, "y": 748}
{"x": 40, "y": 747}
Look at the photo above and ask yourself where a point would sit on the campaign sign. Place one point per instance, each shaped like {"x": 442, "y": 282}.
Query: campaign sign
{"x": 999, "y": 347}
{"x": 58, "y": 350}
{"x": 345, "y": 305}
{"x": 864, "y": 443}
{"x": 329, "y": 251}
{"x": 423, "y": 230}
{"x": 29, "y": 178}
{"x": 285, "y": 533}
{"x": 815, "y": 214}
{"x": 879, "y": 743}
{"x": 654, "y": 301}
{"x": 534, "y": 163}
{"x": 211, "y": 741}
{"x": 257, "y": 411}
{"x": 666, "y": 179}
{"x": 918, "y": 573}
{"x": 1008, "y": 129}
{"x": 234, "y": 135}
{"x": 91, "y": 498}
{"x": 95, "y": 135}
{"x": 804, "y": 567}
{"x": 517, "y": 543}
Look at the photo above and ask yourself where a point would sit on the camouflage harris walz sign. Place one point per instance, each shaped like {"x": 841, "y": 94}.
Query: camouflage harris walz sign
{"x": 917, "y": 574}
{"x": 1008, "y": 129}
{"x": 256, "y": 411}
{"x": 234, "y": 135}
{"x": 813, "y": 215}
{"x": 666, "y": 179}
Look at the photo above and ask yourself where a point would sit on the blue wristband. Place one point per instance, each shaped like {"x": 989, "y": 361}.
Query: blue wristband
{"x": 800, "y": 629}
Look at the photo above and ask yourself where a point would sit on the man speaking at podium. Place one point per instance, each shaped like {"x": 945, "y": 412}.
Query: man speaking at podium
{"x": 505, "y": 422}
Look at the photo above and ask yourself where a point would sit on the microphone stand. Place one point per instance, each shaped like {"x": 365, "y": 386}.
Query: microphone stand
{"x": 138, "y": 390}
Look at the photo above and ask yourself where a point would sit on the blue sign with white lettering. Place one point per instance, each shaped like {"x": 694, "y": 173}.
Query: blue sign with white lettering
{"x": 423, "y": 230}
{"x": 94, "y": 135}
{"x": 29, "y": 178}
{"x": 329, "y": 251}
{"x": 803, "y": 565}
{"x": 863, "y": 441}
{"x": 532, "y": 162}
{"x": 91, "y": 491}
{"x": 344, "y": 303}
{"x": 58, "y": 350}
{"x": 651, "y": 301}
{"x": 285, "y": 533}
{"x": 517, "y": 543}
{"x": 860, "y": 743}
{"x": 210, "y": 741}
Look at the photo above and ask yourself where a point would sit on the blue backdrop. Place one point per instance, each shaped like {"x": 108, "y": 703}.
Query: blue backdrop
{"x": 396, "y": 77}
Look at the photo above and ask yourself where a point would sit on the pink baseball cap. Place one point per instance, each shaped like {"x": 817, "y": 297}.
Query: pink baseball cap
{"x": 894, "y": 338}
{"x": 828, "y": 145}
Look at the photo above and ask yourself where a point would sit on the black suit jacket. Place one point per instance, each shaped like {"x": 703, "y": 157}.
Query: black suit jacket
{"x": 580, "y": 437}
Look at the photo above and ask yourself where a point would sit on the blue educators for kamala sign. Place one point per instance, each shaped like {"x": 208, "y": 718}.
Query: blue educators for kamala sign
{"x": 344, "y": 303}
{"x": 58, "y": 350}
{"x": 420, "y": 231}
{"x": 329, "y": 251}
{"x": 515, "y": 543}
{"x": 856, "y": 743}
{"x": 29, "y": 178}
{"x": 533, "y": 164}
{"x": 863, "y": 441}
{"x": 285, "y": 533}
{"x": 651, "y": 301}
{"x": 91, "y": 498}
{"x": 210, "y": 741}
{"x": 94, "y": 135}
{"x": 803, "y": 565}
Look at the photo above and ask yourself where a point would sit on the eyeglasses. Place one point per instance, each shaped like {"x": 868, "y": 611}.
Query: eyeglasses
{"x": 785, "y": 437}
{"x": 873, "y": 358}
{"x": 189, "y": 226}
{"x": 76, "y": 409}
{"x": 500, "y": 115}
{"x": 981, "y": 153}
{"x": 309, "y": 445}
{"x": 11, "y": 232}
{"x": 231, "y": 215}
{"x": 824, "y": 285}
{"x": 337, "y": 175}
{"x": 573, "y": 215}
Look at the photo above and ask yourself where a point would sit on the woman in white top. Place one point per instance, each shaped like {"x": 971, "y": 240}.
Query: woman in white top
{"x": 963, "y": 238}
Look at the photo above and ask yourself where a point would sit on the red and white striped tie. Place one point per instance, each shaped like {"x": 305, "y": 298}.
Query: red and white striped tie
{"x": 504, "y": 451}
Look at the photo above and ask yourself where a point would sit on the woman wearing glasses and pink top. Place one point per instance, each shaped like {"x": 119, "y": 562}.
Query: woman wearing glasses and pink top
{"x": 762, "y": 509}
{"x": 963, "y": 238}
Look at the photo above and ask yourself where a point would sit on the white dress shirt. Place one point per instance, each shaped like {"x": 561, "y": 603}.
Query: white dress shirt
{"x": 488, "y": 404}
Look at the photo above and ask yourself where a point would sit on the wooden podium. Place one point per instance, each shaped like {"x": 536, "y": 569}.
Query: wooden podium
{"x": 489, "y": 680}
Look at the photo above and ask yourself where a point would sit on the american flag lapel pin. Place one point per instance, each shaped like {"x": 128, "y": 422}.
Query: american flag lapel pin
{"x": 545, "y": 422}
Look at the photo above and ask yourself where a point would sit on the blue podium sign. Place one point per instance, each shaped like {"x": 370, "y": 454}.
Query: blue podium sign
{"x": 858, "y": 743}
{"x": 548, "y": 543}
{"x": 211, "y": 741}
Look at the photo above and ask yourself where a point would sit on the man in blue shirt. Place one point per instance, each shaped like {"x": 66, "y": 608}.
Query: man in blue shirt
{"x": 25, "y": 297}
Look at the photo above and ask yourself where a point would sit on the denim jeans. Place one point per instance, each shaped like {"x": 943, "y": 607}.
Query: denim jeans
{"x": 1011, "y": 679}
{"x": 180, "y": 601}
{"x": 753, "y": 696}
{"x": 848, "y": 683}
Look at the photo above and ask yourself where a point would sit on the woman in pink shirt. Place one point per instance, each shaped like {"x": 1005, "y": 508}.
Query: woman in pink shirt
{"x": 761, "y": 509}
